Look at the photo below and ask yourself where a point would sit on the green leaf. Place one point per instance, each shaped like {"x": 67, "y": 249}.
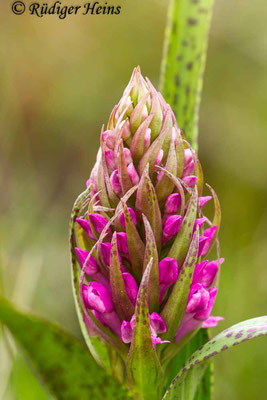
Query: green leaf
{"x": 62, "y": 362}
{"x": 143, "y": 367}
{"x": 184, "y": 351}
{"x": 185, "y": 384}
{"x": 184, "y": 61}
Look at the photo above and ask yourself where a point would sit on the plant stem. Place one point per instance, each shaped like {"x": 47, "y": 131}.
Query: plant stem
{"x": 184, "y": 59}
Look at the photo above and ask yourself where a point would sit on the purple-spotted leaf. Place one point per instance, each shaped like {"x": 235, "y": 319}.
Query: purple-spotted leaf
{"x": 121, "y": 301}
{"x": 185, "y": 384}
{"x": 60, "y": 360}
{"x": 135, "y": 245}
{"x": 151, "y": 253}
{"x": 180, "y": 246}
{"x": 143, "y": 367}
{"x": 174, "y": 309}
{"x": 147, "y": 204}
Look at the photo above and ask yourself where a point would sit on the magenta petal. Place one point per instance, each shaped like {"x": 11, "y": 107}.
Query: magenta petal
{"x": 198, "y": 299}
{"x": 112, "y": 320}
{"x": 126, "y": 332}
{"x": 189, "y": 168}
{"x": 159, "y": 157}
{"x": 115, "y": 183}
{"x": 133, "y": 175}
{"x": 187, "y": 325}
{"x": 211, "y": 322}
{"x": 157, "y": 340}
{"x": 92, "y": 266}
{"x": 122, "y": 244}
{"x": 171, "y": 227}
{"x": 110, "y": 159}
{"x": 168, "y": 270}
{"x": 106, "y": 249}
{"x": 203, "y": 200}
{"x": 131, "y": 287}
{"x": 86, "y": 227}
{"x": 127, "y": 155}
{"x": 188, "y": 156}
{"x": 190, "y": 180}
{"x": 210, "y": 232}
{"x": 205, "y": 272}
{"x": 109, "y": 138}
{"x": 206, "y": 311}
{"x": 89, "y": 325}
{"x": 97, "y": 297}
{"x": 98, "y": 221}
{"x": 168, "y": 274}
{"x": 205, "y": 240}
{"x": 173, "y": 203}
{"x": 157, "y": 324}
{"x": 199, "y": 222}
{"x": 132, "y": 215}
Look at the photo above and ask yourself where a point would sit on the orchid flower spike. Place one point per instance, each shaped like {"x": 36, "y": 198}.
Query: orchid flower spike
{"x": 141, "y": 236}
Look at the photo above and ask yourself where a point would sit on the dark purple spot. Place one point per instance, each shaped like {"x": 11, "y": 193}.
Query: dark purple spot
{"x": 214, "y": 353}
{"x": 225, "y": 347}
{"x": 203, "y": 10}
{"x": 252, "y": 330}
{"x": 177, "y": 80}
{"x": 192, "y": 21}
{"x": 189, "y": 66}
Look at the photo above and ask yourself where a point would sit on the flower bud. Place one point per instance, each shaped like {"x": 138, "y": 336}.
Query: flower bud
{"x": 143, "y": 250}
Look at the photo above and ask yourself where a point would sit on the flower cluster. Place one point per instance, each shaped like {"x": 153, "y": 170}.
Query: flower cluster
{"x": 146, "y": 208}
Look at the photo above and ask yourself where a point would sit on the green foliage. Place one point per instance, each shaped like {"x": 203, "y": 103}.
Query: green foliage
{"x": 184, "y": 61}
{"x": 63, "y": 363}
{"x": 143, "y": 367}
{"x": 185, "y": 384}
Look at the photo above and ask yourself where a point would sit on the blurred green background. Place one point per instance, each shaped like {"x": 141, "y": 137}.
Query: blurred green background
{"x": 59, "y": 81}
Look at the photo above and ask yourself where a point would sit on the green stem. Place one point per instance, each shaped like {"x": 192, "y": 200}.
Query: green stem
{"x": 184, "y": 61}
